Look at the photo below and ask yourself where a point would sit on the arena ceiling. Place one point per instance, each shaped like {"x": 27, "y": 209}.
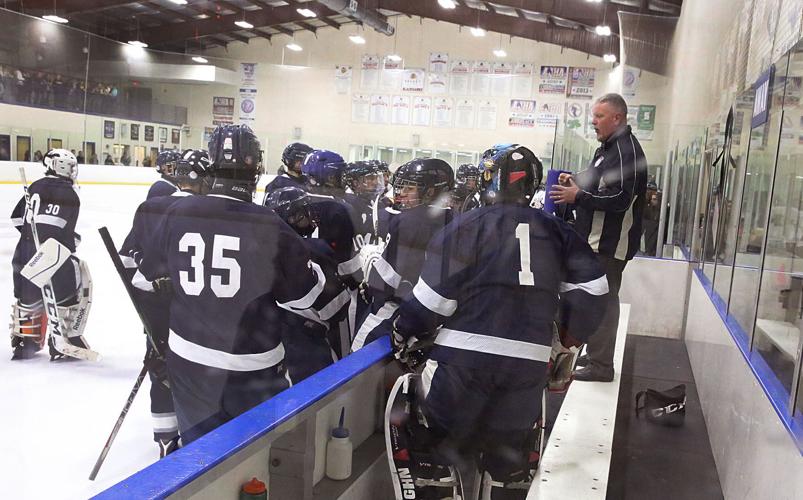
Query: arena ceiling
{"x": 190, "y": 25}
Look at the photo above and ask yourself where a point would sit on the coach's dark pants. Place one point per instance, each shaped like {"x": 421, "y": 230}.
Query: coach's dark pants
{"x": 601, "y": 344}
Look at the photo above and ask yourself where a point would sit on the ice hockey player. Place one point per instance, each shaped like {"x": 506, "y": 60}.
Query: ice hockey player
{"x": 421, "y": 198}
{"x": 486, "y": 301}
{"x": 233, "y": 266}
{"x": 54, "y": 207}
{"x": 465, "y": 195}
{"x": 290, "y": 173}
{"x": 311, "y": 343}
{"x": 191, "y": 176}
{"x": 166, "y": 166}
{"x": 324, "y": 170}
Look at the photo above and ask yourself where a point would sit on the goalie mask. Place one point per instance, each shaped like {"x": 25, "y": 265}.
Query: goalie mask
{"x": 511, "y": 176}
{"x": 62, "y": 163}
{"x": 421, "y": 181}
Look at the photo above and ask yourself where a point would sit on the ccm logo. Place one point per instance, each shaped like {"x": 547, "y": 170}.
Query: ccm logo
{"x": 52, "y": 311}
{"x": 408, "y": 489}
{"x": 658, "y": 412}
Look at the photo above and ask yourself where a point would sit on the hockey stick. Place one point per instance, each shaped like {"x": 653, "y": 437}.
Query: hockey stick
{"x": 118, "y": 266}
{"x": 119, "y": 423}
{"x": 49, "y": 296}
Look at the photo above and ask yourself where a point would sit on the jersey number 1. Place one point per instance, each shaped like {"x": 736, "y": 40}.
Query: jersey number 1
{"x": 194, "y": 243}
{"x": 526, "y": 276}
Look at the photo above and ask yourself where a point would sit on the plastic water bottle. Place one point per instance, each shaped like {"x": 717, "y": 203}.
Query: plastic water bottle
{"x": 254, "y": 490}
{"x": 338, "y": 451}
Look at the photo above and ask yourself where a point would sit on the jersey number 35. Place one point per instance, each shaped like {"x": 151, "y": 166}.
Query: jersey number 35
{"x": 194, "y": 244}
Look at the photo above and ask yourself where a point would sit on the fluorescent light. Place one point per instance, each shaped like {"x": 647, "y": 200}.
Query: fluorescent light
{"x": 395, "y": 57}
{"x": 244, "y": 24}
{"x": 294, "y": 47}
{"x": 306, "y": 13}
{"x": 603, "y": 30}
{"x": 137, "y": 43}
{"x": 609, "y": 58}
{"x": 594, "y": 1}
{"x": 200, "y": 59}
{"x": 447, "y": 4}
{"x": 478, "y": 32}
{"x": 500, "y": 53}
{"x": 179, "y": 2}
{"x": 357, "y": 39}
{"x": 55, "y": 19}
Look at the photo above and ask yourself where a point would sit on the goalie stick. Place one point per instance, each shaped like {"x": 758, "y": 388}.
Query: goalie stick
{"x": 54, "y": 324}
{"x": 118, "y": 265}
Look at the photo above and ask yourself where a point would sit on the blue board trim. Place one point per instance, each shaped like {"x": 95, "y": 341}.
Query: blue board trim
{"x": 178, "y": 469}
{"x": 772, "y": 387}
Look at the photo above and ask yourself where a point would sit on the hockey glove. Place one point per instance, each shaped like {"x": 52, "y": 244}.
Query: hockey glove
{"x": 163, "y": 286}
{"x": 157, "y": 366}
{"x": 410, "y": 351}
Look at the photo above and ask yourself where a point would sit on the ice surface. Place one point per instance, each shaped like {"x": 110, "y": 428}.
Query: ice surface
{"x": 56, "y": 416}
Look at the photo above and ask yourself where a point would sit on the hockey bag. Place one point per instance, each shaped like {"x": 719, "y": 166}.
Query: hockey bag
{"x": 416, "y": 471}
{"x": 663, "y": 407}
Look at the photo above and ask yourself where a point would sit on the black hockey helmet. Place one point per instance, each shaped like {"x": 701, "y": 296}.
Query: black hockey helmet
{"x": 430, "y": 177}
{"x": 166, "y": 162}
{"x": 293, "y": 153}
{"x": 511, "y": 177}
{"x": 234, "y": 151}
{"x": 465, "y": 174}
{"x": 193, "y": 165}
{"x": 364, "y": 178}
{"x": 292, "y": 205}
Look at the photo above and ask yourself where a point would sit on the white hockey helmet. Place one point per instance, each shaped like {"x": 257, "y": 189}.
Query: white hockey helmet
{"x": 61, "y": 162}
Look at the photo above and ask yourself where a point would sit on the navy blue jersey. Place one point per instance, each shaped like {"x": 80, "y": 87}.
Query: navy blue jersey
{"x": 492, "y": 284}
{"x": 392, "y": 276}
{"x": 335, "y": 224}
{"x": 366, "y": 216}
{"x": 232, "y": 264}
{"x": 284, "y": 180}
{"x": 162, "y": 187}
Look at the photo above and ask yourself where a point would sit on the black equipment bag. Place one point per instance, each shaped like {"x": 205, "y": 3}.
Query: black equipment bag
{"x": 663, "y": 407}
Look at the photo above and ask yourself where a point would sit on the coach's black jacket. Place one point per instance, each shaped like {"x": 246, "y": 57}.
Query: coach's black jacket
{"x": 612, "y": 197}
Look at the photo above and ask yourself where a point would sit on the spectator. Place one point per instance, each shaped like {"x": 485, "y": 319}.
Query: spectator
{"x": 125, "y": 159}
{"x": 37, "y": 156}
{"x": 27, "y": 156}
{"x": 80, "y": 157}
{"x": 93, "y": 159}
{"x": 108, "y": 160}
{"x": 146, "y": 162}
{"x": 20, "y": 90}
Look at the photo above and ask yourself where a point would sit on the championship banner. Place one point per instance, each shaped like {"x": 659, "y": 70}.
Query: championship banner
{"x": 581, "y": 82}
{"x": 553, "y": 80}
{"x": 222, "y": 111}
{"x": 248, "y": 92}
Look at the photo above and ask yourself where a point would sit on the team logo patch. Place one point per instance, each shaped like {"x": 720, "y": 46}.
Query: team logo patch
{"x": 599, "y": 160}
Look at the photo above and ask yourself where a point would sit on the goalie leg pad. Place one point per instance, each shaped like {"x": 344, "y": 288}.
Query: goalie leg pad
{"x": 74, "y": 317}
{"x": 28, "y": 329}
{"x": 417, "y": 470}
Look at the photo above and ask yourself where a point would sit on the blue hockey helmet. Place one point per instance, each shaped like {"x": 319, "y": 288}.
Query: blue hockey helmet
{"x": 292, "y": 205}
{"x": 295, "y": 153}
{"x": 421, "y": 181}
{"x": 166, "y": 162}
{"x": 235, "y": 153}
{"x": 511, "y": 176}
{"x": 324, "y": 168}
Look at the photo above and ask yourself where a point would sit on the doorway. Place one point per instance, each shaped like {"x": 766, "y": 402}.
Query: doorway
{"x": 23, "y": 148}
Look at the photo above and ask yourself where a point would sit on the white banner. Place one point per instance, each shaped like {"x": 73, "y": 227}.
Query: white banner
{"x": 422, "y": 111}
{"x": 401, "y": 110}
{"x": 502, "y": 79}
{"x": 464, "y": 114}
{"x": 343, "y": 75}
{"x": 248, "y": 92}
{"x": 486, "y": 115}
{"x": 438, "y": 62}
{"x": 481, "y": 78}
{"x": 413, "y": 80}
{"x": 360, "y": 108}
{"x": 369, "y": 72}
{"x": 442, "y": 117}
{"x": 380, "y": 109}
{"x": 523, "y": 80}
{"x": 460, "y": 73}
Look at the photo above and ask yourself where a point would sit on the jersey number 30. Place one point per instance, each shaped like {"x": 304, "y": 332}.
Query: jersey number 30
{"x": 526, "y": 276}
{"x": 194, "y": 244}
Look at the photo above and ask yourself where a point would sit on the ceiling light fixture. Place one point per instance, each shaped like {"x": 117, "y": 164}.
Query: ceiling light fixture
{"x": 179, "y": 2}
{"x": 244, "y": 24}
{"x": 306, "y": 13}
{"x": 294, "y": 47}
{"x": 478, "y": 32}
{"x": 55, "y": 19}
{"x": 137, "y": 43}
{"x": 500, "y": 53}
{"x": 610, "y": 58}
{"x": 602, "y": 30}
{"x": 357, "y": 39}
{"x": 447, "y": 4}
{"x": 200, "y": 59}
